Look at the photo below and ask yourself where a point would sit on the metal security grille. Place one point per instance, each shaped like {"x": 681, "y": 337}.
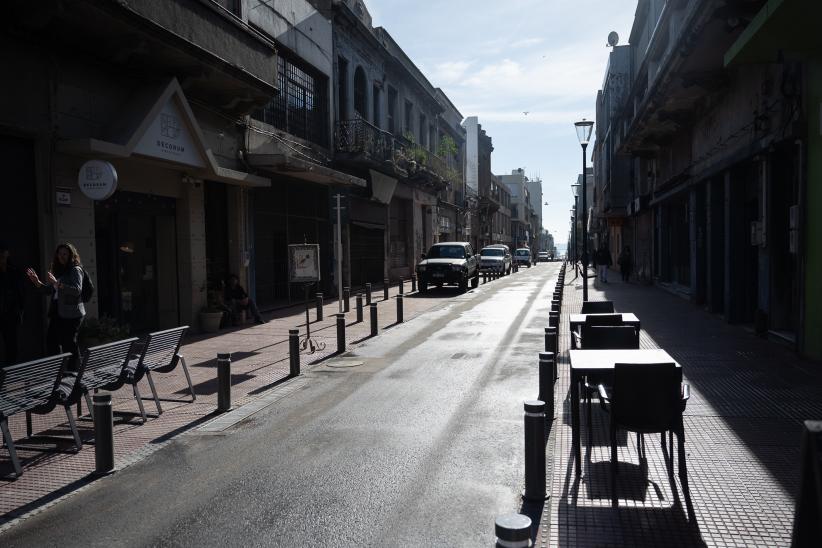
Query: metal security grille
{"x": 301, "y": 107}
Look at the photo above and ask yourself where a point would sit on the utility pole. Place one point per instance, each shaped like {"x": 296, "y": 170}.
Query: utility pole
{"x": 338, "y": 242}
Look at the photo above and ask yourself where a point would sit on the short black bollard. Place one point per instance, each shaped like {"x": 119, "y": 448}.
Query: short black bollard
{"x": 223, "y": 382}
{"x": 485, "y": 277}
{"x": 554, "y": 305}
{"x": 414, "y": 282}
{"x": 402, "y": 286}
{"x": 319, "y": 307}
{"x": 534, "y": 450}
{"x": 359, "y": 308}
{"x": 399, "y": 309}
{"x": 103, "y": 434}
{"x": 346, "y": 299}
{"x": 385, "y": 289}
{"x": 546, "y": 382}
{"x": 294, "y": 352}
{"x": 373, "y": 319}
{"x": 553, "y": 319}
{"x": 551, "y": 339}
{"x": 513, "y": 531}
{"x": 367, "y": 293}
{"x": 340, "y": 333}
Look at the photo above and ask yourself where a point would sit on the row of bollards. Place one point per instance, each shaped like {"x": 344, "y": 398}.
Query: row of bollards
{"x": 514, "y": 530}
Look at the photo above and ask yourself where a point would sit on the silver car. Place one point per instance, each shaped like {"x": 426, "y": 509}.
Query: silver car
{"x": 496, "y": 258}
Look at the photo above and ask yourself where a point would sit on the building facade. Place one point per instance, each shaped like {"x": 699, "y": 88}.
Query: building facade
{"x": 720, "y": 122}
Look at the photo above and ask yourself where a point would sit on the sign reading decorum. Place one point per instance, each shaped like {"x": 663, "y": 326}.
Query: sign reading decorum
{"x": 97, "y": 180}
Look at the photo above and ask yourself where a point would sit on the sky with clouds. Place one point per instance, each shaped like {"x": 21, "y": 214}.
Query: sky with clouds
{"x": 499, "y": 59}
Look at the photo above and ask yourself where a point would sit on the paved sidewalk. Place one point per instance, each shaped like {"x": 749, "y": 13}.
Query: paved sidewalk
{"x": 259, "y": 363}
{"x": 742, "y": 432}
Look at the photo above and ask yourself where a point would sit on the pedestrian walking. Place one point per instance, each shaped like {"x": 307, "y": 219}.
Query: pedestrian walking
{"x": 12, "y": 300}
{"x": 603, "y": 259}
{"x": 626, "y": 263}
{"x": 64, "y": 285}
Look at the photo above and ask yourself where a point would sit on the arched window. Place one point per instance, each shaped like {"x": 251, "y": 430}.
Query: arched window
{"x": 360, "y": 93}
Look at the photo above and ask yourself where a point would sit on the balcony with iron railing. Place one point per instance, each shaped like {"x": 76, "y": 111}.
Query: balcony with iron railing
{"x": 359, "y": 141}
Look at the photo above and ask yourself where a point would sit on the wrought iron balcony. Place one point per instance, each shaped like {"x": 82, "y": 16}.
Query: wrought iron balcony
{"x": 362, "y": 138}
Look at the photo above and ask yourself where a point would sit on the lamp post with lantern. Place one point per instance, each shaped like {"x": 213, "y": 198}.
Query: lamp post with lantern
{"x": 584, "y": 128}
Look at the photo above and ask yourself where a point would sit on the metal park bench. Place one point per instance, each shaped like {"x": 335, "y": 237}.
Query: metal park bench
{"x": 25, "y": 387}
{"x": 161, "y": 354}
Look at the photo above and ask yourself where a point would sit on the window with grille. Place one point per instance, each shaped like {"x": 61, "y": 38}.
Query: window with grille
{"x": 360, "y": 98}
{"x": 301, "y": 106}
{"x": 392, "y": 110}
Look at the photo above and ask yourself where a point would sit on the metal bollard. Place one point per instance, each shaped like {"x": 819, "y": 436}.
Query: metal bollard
{"x": 294, "y": 351}
{"x": 103, "y": 434}
{"x": 553, "y": 319}
{"x": 367, "y": 293}
{"x": 346, "y": 299}
{"x": 223, "y": 382}
{"x": 319, "y": 307}
{"x": 413, "y": 282}
{"x": 399, "y": 308}
{"x": 359, "y": 308}
{"x": 513, "y": 531}
{"x": 402, "y": 286}
{"x": 551, "y": 339}
{"x": 340, "y": 333}
{"x": 373, "y": 319}
{"x": 554, "y": 305}
{"x": 385, "y": 289}
{"x": 546, "y": 382}
{"x": 534, "y": 450}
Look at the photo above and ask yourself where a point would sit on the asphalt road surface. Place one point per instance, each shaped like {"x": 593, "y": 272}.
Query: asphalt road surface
{"x": 412, "y": 439}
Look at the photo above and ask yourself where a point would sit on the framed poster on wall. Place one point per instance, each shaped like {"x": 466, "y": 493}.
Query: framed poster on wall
{"x": 303, "y": 263}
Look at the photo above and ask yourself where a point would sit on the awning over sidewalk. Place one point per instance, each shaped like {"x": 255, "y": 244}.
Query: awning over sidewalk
{"x": 302, "y": 169}
{"x": 158, "y": 125}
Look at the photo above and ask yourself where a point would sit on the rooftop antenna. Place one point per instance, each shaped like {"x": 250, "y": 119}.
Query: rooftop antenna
{"x": 613, "y": 38}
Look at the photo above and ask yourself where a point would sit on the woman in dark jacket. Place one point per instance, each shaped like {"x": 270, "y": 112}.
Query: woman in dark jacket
{"x": 66, "y": 312}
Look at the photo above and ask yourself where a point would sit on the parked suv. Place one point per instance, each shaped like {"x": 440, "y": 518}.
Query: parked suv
{"x": 452, "y": 263}
{"x": 495, "y": 258}
{"x": 522, "y": 257}
{"x": 543, "y": 257}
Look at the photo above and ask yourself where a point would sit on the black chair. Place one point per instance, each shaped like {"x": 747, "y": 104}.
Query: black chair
{"x": 596, "y": 337}
{"x": 603, "y": 319}
{"x": 597, "y": 307}
{"x": 647, "y": 399}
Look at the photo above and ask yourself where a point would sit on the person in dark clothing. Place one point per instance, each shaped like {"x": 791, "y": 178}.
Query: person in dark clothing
{"x": 12, "y": 302}
{"x": 626, "y": 263}
{"x": 603, "y": 259}
{"x": 64, "y": 285}
{"x": 237, "y": 299}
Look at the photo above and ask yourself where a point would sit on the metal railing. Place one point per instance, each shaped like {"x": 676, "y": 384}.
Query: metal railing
{"x": 360, "y": 137}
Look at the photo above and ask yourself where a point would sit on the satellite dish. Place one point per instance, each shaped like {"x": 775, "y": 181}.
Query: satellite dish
{"x": 613, "y": 38}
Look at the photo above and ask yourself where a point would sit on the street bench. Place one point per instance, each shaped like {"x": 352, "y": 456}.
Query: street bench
{"x": 25, "y": 387}
{"x": 161, "y": 354}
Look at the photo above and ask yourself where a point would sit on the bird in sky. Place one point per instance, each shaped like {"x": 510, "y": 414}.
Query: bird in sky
{"x": 525, "y": 112}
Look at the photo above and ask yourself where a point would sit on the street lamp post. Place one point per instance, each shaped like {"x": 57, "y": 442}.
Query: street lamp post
{"x": 584, "y": 128}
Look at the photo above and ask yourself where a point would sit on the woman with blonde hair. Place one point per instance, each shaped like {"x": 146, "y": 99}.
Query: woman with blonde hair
{"x": 65, "y": 285}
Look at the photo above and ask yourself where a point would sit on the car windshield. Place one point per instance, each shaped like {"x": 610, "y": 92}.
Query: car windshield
{"x": 446, "y": 252}
{"x": 492, "y": 252}
{"x": 522, "y": 252}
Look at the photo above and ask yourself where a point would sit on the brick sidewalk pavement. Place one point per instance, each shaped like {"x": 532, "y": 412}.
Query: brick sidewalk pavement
{"x": 742, "y": 433}
{"x": 259, "y": 363}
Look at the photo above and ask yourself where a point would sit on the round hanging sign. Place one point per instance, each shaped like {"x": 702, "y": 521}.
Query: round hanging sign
{"x": 97, "y": 179}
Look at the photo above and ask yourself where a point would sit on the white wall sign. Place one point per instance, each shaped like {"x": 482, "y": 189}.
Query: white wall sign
{"x": 304, "y": 263}
{"x": 97, "y": 179}
{"x": 168, "y": 137}
{"x": 63, "y": 197}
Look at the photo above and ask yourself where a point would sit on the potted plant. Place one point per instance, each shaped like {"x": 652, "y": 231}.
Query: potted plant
{"x": 211, "y": 315}
{"x": 102, "y": 330}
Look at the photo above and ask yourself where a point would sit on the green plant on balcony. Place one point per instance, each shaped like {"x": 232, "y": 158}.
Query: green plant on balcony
{"x": 447, "y": 148}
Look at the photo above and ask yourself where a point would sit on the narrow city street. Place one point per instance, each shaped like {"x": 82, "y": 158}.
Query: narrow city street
{"x": 413, "y": 438}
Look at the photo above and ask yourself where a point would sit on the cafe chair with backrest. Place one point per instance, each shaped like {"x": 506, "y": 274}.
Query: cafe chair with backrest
{"x": 596, "y": 337}
{"x": 647, "y": 399}
{"x": 599, "y": 320}
{"x": 597, "y": 307}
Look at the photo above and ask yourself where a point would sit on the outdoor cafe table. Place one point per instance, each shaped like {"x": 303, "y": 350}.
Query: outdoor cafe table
{"x": 577, "y": 320}
{"x": 588, "y": 362}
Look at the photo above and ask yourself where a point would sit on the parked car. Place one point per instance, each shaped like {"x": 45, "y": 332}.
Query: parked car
{"x": 449, "y": 263}
{"x": 543, "y": 257}
{"x": 522, "y": 257}
{"x": 495, "y": 258}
